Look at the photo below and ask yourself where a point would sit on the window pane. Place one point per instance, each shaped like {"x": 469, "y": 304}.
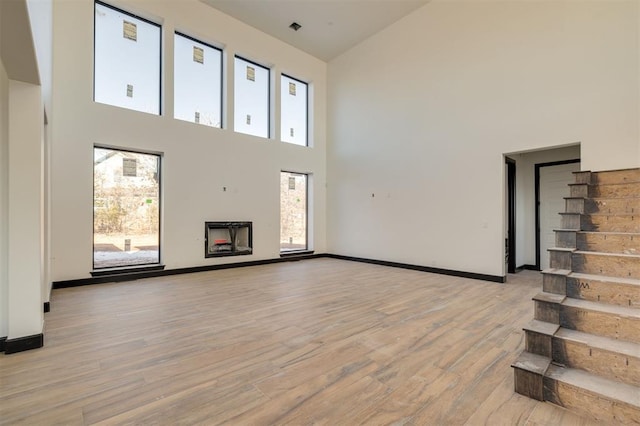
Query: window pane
{"x": 126, "y": 208}
{"x": 293, "y": 211}
{"x": 127, "y": 61}
{"x": 197, "y": 82}
{"x": 293, "y": 105}
{"x": 251, "y": 112}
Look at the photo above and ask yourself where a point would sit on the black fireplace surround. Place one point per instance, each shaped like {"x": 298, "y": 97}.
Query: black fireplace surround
{"x": 227, "y": 239}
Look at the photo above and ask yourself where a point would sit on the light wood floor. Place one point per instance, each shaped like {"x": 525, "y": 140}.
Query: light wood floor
{"x": 312, "y": 342}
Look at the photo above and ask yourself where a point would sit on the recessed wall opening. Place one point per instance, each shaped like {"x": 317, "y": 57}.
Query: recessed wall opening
{"x": 228, "y": 238}
{"x": 541, "y": 183}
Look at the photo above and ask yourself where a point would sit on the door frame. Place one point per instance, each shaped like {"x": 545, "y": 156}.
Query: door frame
{"x": 511, "y": 218}
{"x": 537, "y": 200}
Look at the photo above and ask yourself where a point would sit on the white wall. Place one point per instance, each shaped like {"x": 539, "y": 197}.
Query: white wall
{"x": 41, "y": 18}
{"x": 21, "y": 176}
{"x": 25, "y": 210}
{"x": 4, "y": 200}
{"x": 525, "y": 197}
{"x": 421, "y": 113}
{"x": 198, "y": 161}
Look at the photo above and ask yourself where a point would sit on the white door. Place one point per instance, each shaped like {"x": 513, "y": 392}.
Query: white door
{"x": 554, "y": 181}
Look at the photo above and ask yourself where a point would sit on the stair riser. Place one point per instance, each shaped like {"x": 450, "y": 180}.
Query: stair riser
{"x": 612, "y": 365}
{"x": 571, "y": 221}
{"x": 575, "y": 205}
{"x": 582, "y": 177}
{"x": 610, "y": 223}
{"x": 566, "y": 239}
{"x": 538, "y": 343}
{"x": 600, "y": 323}
{"x": 560, "y": 259}
{"x": 601, "y": 291}
{"x": 528, "y": 384}
{"x": 627, "y": 244}
{"x": 547, "y": 312}
{"x": 612, "y": 205}
{"x": 616, "y": 176}
{"x": 609, "y": 265}
{"x": 579, "y": 190}
{"x": 622, "y": 190}
{"x": 556, "y": 284}
{"x": 589, "y": 404}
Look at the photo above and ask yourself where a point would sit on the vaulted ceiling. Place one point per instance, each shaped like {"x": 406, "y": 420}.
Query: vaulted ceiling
{"x": 328, "y": 27}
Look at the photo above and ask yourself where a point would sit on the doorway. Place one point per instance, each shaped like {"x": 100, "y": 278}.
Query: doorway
{"x": 552, "y": 180}
{"x": 510, "y": 241}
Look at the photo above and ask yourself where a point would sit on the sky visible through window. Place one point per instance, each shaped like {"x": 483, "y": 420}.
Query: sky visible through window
{"x": 127, "y": 74}
{"x": 197, "y": 82}
{"x": 127, "y": 61}
{"x": 293, "y": 111}
{"x": 251, "y": 112}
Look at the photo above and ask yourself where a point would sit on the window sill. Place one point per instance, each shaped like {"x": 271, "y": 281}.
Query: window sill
{"x": 125, "y": 270}
{"x": 294, "y": 253}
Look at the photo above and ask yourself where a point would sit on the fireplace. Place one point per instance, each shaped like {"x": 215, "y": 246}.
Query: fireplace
{"x": 227, "y": 239}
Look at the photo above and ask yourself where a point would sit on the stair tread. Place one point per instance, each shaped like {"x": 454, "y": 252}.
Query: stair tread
{"x": 602, "y": 198}
{"x": 556, "y": 271}
{"x": 600, "y": 342}
{"x": 602, "y": 307}
{"x": 532, "y": 362}
{"x": 629, "y": 182}
{"x": 564, "y": 249}
{"x": 602, "y": 253}
{"x": 610, "y": 389}
{"x": 542, "y": 327}
{"x": 549, "y": 297}
{"x": 604, "y": 278}
{"x": 603, "y": 232}
{"x": 605, "y": 214}
{"x": 609, "y": 198}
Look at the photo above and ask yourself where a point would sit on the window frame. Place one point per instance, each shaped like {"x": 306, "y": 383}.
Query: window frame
{"x": 222, "y": 79}
{"x": 160, "y": 57}
{"x": 269, "y": 101}
{"x": 307, "y": 107}
{"x": 306, "y": 249}
{"x": 133, "y": 267}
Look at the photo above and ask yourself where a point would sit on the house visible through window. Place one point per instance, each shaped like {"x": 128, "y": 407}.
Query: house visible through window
{"x": 126, "y": 60}
{"x": 251, "y": 98}
{"x": 197, "y": 81}
{"x": 126, "y": 208}
{"x": 293, "y": 111}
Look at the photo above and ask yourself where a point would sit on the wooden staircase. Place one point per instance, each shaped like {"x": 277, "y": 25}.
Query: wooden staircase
{"x": 582, "y": 350}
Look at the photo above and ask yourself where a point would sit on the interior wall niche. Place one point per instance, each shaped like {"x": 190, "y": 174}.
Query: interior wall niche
{"x": 228, "y": 238}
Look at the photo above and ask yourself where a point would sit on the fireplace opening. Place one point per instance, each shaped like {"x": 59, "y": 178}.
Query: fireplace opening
{"x": 227, "y": 238}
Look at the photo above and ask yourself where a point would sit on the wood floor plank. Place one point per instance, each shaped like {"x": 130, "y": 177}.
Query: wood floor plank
{"x": 321, "y": 341}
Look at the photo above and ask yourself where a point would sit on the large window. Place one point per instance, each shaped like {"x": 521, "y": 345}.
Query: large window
{"x": 126, "y": 208}
{"x": 197, "y": 81}
{"x": 126, "y": 60}
{"x": 293, "y": 212}
{"x": 251, "y": 98}
{"x": 293, "y": 110}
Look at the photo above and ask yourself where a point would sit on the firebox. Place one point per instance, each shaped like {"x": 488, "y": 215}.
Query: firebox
{"x": 227, "y": 238}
